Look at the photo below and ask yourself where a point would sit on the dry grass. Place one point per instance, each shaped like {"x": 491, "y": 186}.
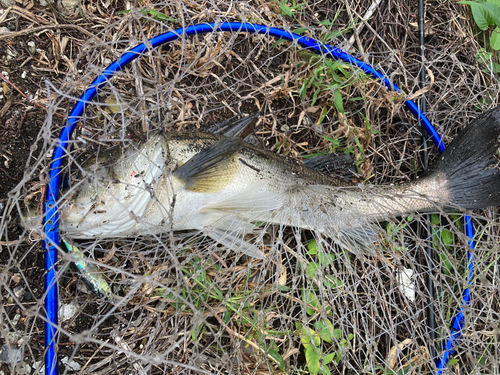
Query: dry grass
{"x": 202, "y": 309}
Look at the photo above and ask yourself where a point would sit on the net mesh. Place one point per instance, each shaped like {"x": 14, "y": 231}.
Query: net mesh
{"x": 190, "y": 305}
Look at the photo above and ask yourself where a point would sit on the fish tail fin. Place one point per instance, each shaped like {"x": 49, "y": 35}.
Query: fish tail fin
{"x": 470, "y": 165}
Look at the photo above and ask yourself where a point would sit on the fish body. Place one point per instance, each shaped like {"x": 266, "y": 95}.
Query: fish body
{"x": 223, "y": 187}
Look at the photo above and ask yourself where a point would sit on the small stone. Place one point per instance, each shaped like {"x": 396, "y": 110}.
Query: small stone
{"x": 9, "y": 354}
{"x": 66, "y": 312}
{"x": 68, "y": 7}
{"x": 23, "y": 369}
{"x": 38, "y": 367}
{"x": 11, "y": 337}
{"x": 31, "y": 46}
{"x": 24, "y": 74}
{"x": 4, "y": 30}
{"x": 19, "y": 292}
{"x": 16, "y": 278}
{"x": 28, "y": 296}
{"x": 15, "y": 320}
{"x": 70, "y": 364}
{"x": 11, "y": 54}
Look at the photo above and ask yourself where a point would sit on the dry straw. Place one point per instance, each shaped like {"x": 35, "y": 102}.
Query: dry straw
{"x": 195, "y": 307}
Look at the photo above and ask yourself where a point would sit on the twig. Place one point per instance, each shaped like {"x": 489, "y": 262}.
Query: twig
{"x": 10, "y": 243}
{"x": 365, "y": 18}
{"x": 92, "y": 356}
{"x": 355, "y": 31}
{"x": 25, "y": 14}
{"x": 138, "y": 85}
{"x": 126, "y": 349}
{"x": 422, "y": 91}
{"x": 243, "y": 338}
{"x": 44, "y": 28}
{"x": 8, "y": 175}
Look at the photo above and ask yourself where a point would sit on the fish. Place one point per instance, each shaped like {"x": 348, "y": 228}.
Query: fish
{"x": 225, "y": 188}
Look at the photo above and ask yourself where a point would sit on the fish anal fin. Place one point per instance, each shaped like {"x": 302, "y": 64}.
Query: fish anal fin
{"x": 212, "y": 169}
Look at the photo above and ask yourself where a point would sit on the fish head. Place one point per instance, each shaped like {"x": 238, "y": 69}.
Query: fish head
{"x": 112, "y": 191}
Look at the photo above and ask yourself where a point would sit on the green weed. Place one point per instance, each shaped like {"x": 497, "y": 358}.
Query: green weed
{"x": 322, "y": 342}
{"x": 394, "y": 234}
{"x": 321, "y": 261}
{"x": 203, "y": 295}
{"x": 332, "y": 148}
{"x": 486, "y": 14}
{"x": 156, "y": 15}
{"x": 290, "y": 10}
{"x": 350, "y": 145}
{"x": 324, "y": 337}
{"x": 327, "y": 77}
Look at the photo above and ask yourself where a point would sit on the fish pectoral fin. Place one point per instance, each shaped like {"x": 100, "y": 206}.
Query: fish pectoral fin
{"x": 253, "y": 199}
{"x": 212, "y": 169}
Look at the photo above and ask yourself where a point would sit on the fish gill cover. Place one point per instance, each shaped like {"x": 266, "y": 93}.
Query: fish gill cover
{"x": 184, "y": 301}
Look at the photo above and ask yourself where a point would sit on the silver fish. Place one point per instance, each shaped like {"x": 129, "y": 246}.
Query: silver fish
{"x": 224, "y": 187}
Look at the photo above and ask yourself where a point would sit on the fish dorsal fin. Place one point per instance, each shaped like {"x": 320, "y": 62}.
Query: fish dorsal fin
{"x": 212, "y": 169}
{"x": 336, "y": 165}
{"x": 236, "y": 126}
